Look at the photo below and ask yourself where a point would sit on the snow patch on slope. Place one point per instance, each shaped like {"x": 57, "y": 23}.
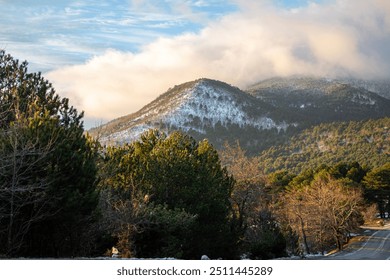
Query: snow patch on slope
{"x": 212, "y": 106}
{"x": 363, "y": 99}
{"x": 194, "y": 108}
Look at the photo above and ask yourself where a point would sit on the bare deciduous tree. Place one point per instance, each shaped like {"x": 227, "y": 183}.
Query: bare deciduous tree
{"x": 248, "y": 194}
{"x": 323, "y": 213}
{"x": 260, "y": 234}
{"x": 23, "y": 192}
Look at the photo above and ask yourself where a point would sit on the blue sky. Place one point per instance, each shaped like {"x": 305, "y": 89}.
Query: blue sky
{"x": 112, "y": 57}
{"x": 48, "y": 33}
{"x": 54, "y": 33}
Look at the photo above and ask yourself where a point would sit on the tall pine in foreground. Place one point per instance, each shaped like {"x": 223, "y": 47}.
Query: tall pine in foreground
{"x": 47, "y": 168}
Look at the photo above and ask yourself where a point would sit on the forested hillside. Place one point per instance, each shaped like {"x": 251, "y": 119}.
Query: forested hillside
{"x": 366, "y": 142}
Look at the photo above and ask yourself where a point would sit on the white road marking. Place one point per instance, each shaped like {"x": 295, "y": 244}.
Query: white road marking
{"x": 364, "y": 245}
{"x": 383, "y": 243}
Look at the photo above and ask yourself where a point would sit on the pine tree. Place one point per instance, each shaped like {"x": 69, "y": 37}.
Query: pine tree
{"x": 377, "y": 188}
{"x": 179, "y": 174}
{"x": 47, "y": 166}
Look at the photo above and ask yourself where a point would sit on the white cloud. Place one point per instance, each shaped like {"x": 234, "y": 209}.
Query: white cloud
{"x": 260, "y": 41}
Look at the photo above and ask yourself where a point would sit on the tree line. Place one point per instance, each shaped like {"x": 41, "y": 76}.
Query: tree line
{"x": 64, "y": 195}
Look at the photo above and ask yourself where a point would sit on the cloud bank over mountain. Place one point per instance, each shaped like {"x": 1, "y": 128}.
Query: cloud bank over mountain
{"x": 260, "y": 40}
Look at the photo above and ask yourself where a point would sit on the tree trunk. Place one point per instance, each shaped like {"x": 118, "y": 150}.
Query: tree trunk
{"x": 337, "y": 238}
{"x": 304, "y": 237}
{"x": 12, "y": 199}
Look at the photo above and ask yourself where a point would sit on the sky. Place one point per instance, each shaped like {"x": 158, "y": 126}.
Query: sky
{"x": 112, "y": 57}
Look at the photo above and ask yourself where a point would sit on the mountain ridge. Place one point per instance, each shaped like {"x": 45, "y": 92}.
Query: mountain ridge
{"x": 320, "y": 100}
{"x": 263, "y": 115}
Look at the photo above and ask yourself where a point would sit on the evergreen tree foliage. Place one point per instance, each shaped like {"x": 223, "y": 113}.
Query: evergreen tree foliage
{"x": 266, "y": 238}
{"x": 377, "y": 188}
{"x": 180, "y": 174}
{"x": 47, "y": 167}
{"x": 365, "y": 142}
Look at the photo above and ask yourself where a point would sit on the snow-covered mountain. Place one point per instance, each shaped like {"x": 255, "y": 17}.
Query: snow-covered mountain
{"x": 265, "y": 114}
{"x": 319, "y": 100}
{"x": 196, "y": 107}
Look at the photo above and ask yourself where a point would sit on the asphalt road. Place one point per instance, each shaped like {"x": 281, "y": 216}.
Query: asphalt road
{"x": 374, "y": 244}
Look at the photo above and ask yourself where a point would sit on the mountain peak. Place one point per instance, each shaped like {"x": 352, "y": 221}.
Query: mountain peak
{"x": 196, "y": 107}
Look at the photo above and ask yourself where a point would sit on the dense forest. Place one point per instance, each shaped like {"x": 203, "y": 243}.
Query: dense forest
{"x": 64, "y": 195}
{"x": 366, "y": 142}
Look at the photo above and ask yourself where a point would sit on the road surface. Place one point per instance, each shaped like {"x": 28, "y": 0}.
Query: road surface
{"x": 374, "y": 244}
